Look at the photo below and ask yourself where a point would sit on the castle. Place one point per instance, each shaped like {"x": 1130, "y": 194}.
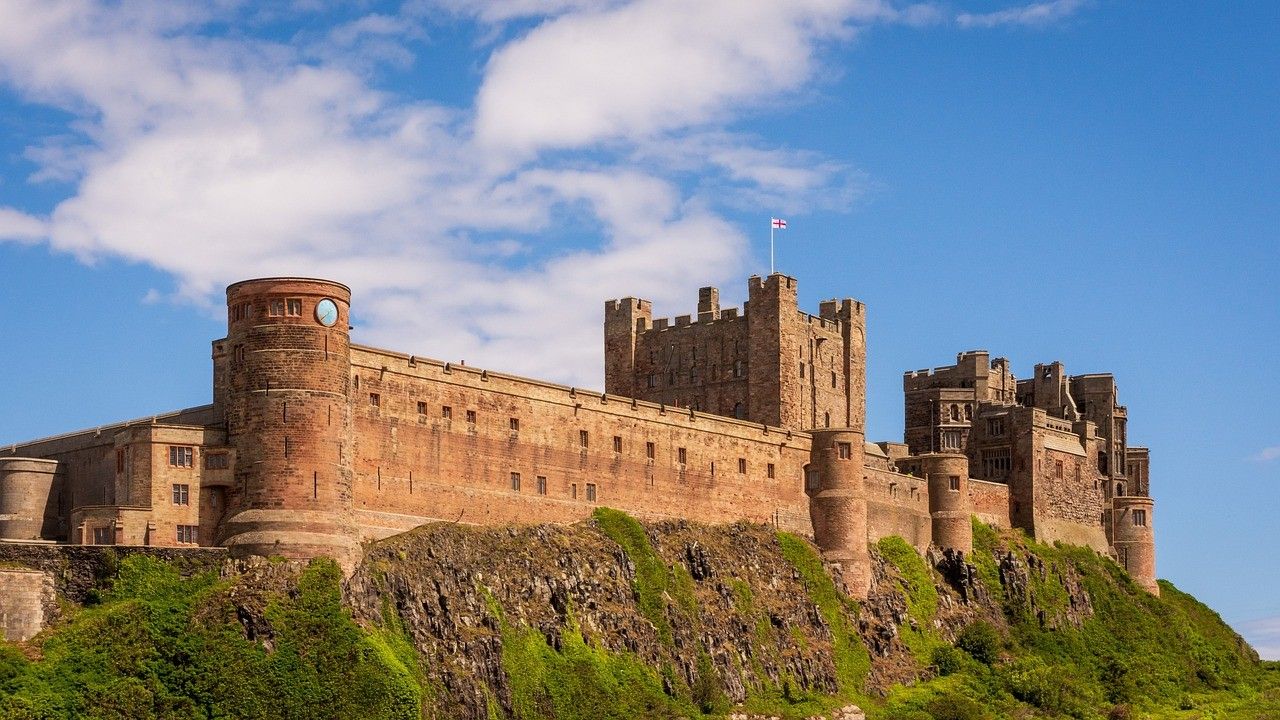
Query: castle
{"x": 313, "y": 444}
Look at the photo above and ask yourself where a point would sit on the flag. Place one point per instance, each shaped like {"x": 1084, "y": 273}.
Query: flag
{"x": 779, "y": 224}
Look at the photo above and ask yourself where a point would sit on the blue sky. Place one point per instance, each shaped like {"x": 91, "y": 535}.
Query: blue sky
{"x": 1091, "y": 182}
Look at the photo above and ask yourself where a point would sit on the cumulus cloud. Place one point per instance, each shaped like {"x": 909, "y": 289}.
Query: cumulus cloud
{"x": 1034, "y": 14}
{"x": 593, "y": 161}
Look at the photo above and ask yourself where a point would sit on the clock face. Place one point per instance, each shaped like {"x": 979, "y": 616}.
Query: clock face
{"x": 327, "y": 312}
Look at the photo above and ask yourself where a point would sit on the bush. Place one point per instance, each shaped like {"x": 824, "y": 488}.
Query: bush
{"x": 981, "y": 641}
{"x": 947, "y": 660}
{"x": 954, "y": 706}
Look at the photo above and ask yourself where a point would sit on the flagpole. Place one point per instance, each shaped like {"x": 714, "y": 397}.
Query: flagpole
{"x": 771, "y": 228}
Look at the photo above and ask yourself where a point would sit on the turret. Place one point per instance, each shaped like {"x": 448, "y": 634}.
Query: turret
{"x": 623, "y": 320}
{"x": 29, "y": 491}
{"x": 1133, "y": 535}
{"x": 289, "y": 418}
{"x": 949, "y": 506}
{"x": 838, "y": 504}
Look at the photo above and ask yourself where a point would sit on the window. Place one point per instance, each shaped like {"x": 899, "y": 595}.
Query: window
{"x": 471, "y": 417}
{"x": 955, "y": 413}
{"x": 1058, "y": 469}
{"x": 770, "y": 471}
{"x": 293, "y": 306}
{"x": 737, "y": 368}
{"x": 514, "y": 424}
{"x": 181, "y": 494}
{"x": 573, "y": 491}
{"x": 742, "y": 466}
{"x": 542, "y": 485}
{"x": 1102, "y": 463}
{"x": 968, "y": 412}
{"x": 422, "y": 408}
{"x": 375, "y": 400}
{"x": 845, "y": 450}
{"x": 671, "y": 377}
{"x": 953, "y": 482}
{"x": 446, "y": 413}
{"x": 515, "y": 481}
{"x": 103, "y": 536}
{"x": 681, "y": 456}
{"x": 738, "y": 411}
{"x": 119, "y": 460}
{"x": 951, "y": 439}
{"x": 1140, "y": 518}
{"x": 180, "y": 456}
{"x": 591, "y": 492}
{"x": 996, "y": 463}
{"x": 651, "y": 381}
{"x": 275, "y": 308}
{"x": 239, "y": 353}
{"x": 826, "y": 419}
{"x": 216, "y": 461}
{"x": 833, "y": 378}
{"x": 812, "y": 481}
{"x": 995, "y": 427}
{"x": 583, "y": 438}
{"x": 693, "y": 375}
{"x": 650, "y": 450}
{"x": 187, "y": 534}
{"x": 801, "y": 371}
{"x": 617, "y": 443}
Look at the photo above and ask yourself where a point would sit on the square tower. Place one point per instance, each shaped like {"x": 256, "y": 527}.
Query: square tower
{"x": 772, "y": 363}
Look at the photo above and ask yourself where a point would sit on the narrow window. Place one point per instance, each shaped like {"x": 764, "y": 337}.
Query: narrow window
{"x": 681, "y": 456}
{"x": 284, "y": 412}
{"x": 833, "y": 379}
{"x": 375, "y": 399}
{"x": 652, "y": 380}
{"x": 591, "y": 492}
{"x": 293, "y": 306}
{"x": 826, "y": 419}
{"x": 737, "y": 368}
{"x": 770, "y": 471}
{"x": 515, "y": 424}
{"x": 446, "y": 413}
{"x": 119, "y": 460}
{"x": 650, "y": 450}
{"x": 845, "y": 450}
{"x": 181, "y": 494}
{"x": 542, "y": 485}
{"x": 738, "y": 411}
{"x": 742, "y": 465}
{"x": 954, "y": 483}
{"x": 180, "y": 456}
{"x": 276, "y": 308}
{"x": 471, "y": 417}
{"x": 1139, "y": 518}
{"x": 103, "y": 536}
{"x": 515, "y": 481}
{"x": 1057, "y": 469}
{"x": 583, "y": 438}
{"x": 713, "y": 468}
{"x": 617, "y": 443}
{"x": 239, "y": 353}
{"x": 422, "y": 408}
{"x": 573, "y": 490}
{"x": 801, "y": 371}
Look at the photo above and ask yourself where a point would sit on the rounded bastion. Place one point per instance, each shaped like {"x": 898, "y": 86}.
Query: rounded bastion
{"x": 28, "y": 499}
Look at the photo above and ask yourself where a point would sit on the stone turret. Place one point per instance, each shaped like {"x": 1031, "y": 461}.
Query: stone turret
{"x": 1133, "y": 536}
{"x": 289, "y": 418}
{"x": 949, "y": 506}
{"x": 838, "y": 504}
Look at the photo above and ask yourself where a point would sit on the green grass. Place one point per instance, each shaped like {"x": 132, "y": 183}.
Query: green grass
{"x": 145, "y": 652}
{"x": 915, "y": 581}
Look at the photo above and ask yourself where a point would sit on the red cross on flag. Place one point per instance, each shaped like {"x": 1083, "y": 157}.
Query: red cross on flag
{"x": 779, "y": 224}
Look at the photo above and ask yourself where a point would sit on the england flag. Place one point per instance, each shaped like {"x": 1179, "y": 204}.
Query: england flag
{"x": 779, "y": 224}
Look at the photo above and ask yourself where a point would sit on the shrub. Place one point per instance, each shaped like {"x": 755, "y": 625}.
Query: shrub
{"x": 981, "y": 641}
{"x": 947, "y": 660}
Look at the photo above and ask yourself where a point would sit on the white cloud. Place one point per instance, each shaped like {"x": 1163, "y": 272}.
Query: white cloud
{"x": 216, "y": 157}
{"x": 1264, "y": 635}
{"x": 1268, "y": 454}
{"x": 1034, "y": 14}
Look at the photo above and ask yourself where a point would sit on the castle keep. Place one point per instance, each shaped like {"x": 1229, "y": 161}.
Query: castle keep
{"x": 313, "y": 444}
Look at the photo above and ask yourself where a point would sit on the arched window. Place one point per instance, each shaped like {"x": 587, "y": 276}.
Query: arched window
{"x": 955, "y": 413}
{"x": 968, "y": 412}
{"x": 738, "y": 411}
{"x": 1119, "y": 489}
{"x": 826, "y": 418}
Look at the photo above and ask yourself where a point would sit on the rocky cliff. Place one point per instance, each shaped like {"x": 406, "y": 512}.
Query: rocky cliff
{"x": 612, "y": 618}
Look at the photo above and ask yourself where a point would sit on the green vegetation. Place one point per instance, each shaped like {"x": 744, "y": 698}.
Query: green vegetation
{"x": 162, "y": 646}
{"x": 915, "y": 581}
{"x": 1137, "y": 656}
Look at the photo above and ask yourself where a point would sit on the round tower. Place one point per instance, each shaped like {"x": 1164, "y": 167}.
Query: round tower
{"x": 1133, "y": 536}
{"x": 949, "y": 505}
{"x": 838, "y": 504}
{"x": 29, "y": 499}
{"x": 289, "y": 417}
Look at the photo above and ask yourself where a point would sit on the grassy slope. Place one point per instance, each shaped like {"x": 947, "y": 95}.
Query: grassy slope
{"x": 162, "y": 646}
